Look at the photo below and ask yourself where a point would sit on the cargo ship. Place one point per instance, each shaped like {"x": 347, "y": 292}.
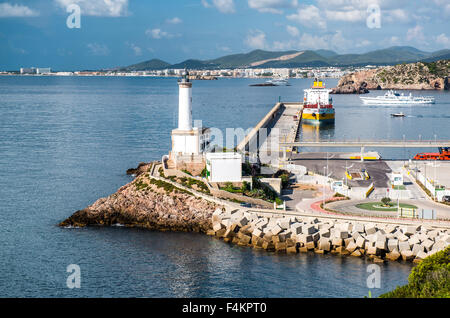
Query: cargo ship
{"x": 318, "y": 105}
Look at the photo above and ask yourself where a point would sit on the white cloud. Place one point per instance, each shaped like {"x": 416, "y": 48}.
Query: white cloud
{"x": 394, "y": 40}
{"x": 443, "y": 39}
{"x": 292, "y": 30}
{"x": 272, "y": 6}
{"x": 136, "y": 49}
{"x": 174, "y": 20}
{"x": 98, "y": 49}
{"x": 309, "y": 16}
{"x": 16, "y": 10}
{"x": 346, "y": 15}
{"x": 108, "y": 8}
{"x": 363, "y": 43}
{"x": 313, "y": 42}
{"x": 158, "y": 34}
{"x": 256, "y": 39}
{"x": 416, "y": 34}
{"x": 224, "y": 6}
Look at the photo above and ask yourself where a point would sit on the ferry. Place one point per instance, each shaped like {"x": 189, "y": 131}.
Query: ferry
{"x": 318, "y": 105}
{"x": 394, "y": 98}
{"x": 278, "y": 82}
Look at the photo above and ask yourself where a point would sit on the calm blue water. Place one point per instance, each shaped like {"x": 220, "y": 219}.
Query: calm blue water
{"x": 65, "y": 142}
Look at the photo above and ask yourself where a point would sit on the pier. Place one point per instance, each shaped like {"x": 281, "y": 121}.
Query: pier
{"x": 282, "y": 122}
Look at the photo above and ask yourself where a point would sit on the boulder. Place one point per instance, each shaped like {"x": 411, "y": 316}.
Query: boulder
{"x": 428, "y": 244}
{"x": 337, "y": 241}
{"x": 407, "y": 255}
{"x": 392, "y": 245}
{"x": 359, "y": 227}
{"x": 404, "y": 246}
{"x": 417, "y": 248}
{"x": 356, "y": 253}
{"x": 351, "y": 247}
{"x": 370, "y": 229}
{"x": 393, "y": 255}
{"x": 361, "y": 242}
{"x": 276, "y": 229}
{"x": 324, "y": 244}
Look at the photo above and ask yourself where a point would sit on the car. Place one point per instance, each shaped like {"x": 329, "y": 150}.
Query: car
{"x": 446, "y": 198}
{"x": 246, "y": 205}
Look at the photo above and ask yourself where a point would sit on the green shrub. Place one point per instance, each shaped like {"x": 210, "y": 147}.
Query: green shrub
{"x": 430, "y": 279}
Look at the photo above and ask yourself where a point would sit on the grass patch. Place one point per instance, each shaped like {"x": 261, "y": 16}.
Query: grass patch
{"x": 168, "y": 187}
{"x": 377, "y": 206}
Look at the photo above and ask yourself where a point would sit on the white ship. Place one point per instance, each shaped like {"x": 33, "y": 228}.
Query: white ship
{"x": 394, "y": 98}
{"x": 278, "y": 82}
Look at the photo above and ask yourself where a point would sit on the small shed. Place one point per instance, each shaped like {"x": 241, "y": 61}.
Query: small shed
{"x": 224, "y": 167}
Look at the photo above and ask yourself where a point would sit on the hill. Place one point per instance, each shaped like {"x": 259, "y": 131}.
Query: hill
{"x": 420, "y": 75}
{"x": 154, "y": 64}
{"x": 308, "y": 58}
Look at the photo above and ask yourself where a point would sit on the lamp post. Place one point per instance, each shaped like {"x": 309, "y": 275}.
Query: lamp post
{"x": 324, "y": 184}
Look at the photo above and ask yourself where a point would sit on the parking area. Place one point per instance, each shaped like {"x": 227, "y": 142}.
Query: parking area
{"x": 316, "y": 162}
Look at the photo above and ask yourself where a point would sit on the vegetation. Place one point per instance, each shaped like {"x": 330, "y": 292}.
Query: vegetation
{"x": 386, "y": 202}
{"x": 259, "y": 191}
{"x": 430, "y": 279}
{"x": 376, "y": 206}
{"x": 389, "y": 56}
{"x": 168, "y": 187}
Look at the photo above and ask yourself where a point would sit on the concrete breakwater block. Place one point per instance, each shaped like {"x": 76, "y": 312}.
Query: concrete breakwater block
{"x": 292, "y": 235}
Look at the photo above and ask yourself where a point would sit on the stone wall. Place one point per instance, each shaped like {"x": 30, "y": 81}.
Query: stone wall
{"x": 294, "y": 234}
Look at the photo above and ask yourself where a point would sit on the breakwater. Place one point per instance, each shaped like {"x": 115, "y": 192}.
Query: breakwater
{"x": 295, "y": 234}
{"x": 152, "y": 203}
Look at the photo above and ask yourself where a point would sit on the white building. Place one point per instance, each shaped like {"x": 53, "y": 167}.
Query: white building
{"x": 26, "y": 70}
{"x": 43, "y": 70}
{"x": 397, "y": 179}
{"x": 224, "y": 167}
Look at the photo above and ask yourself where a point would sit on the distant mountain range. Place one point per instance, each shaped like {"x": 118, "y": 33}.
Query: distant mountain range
{"x": 291, "y": 59}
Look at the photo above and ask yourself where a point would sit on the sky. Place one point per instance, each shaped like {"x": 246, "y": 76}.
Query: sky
{"x": 111, "y": 33}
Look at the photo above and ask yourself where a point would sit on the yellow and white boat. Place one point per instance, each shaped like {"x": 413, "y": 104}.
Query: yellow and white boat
{"x": 318, "y": 105}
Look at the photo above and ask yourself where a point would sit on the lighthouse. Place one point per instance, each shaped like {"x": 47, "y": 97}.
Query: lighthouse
{"x": 185, "y": 103}
{"x": 188, "y": 143}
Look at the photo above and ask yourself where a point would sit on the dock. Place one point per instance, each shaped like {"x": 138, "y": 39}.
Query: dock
{"x": 280, "y": 125}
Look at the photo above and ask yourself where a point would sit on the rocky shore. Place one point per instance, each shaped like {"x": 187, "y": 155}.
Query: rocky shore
{"x": 415, "y": 76}
{"x": 379, "y": 242}
{"x": 148, "y": 203}
{"x": 152, "y": 203}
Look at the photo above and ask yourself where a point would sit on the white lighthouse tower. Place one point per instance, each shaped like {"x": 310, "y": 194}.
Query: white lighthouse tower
{"x": 185, "y": 103}
{"x": 188, "y": 143}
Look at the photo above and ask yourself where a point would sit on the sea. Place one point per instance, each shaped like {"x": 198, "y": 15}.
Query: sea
{"x": 67, "y": 141}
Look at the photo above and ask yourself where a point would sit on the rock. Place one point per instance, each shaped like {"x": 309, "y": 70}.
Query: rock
{"x": 356, "y": 253}
{"x": 280, "y": 247}
{"x": 276, "y": 230}
{"x": 404, "y": 246}
{"x": 393, "y": 255}
{"x": 324, "y": 244}
{"x": 407, "y": 255}
{"x": 428, "y": 244}
{"x": 308, "y": 229}
{"x": 361, "y": 242}
{"x": 417, "y": 248}
{"x": 337, "y": 241}
{"x": 351, "y": 247}
{"x": 392, "y": 245}
{"x": 310, "y": 246}
{"x": 258, "y": 233}
{"x": 359, "y": 227}
{"x": 412, "y": 229}
{"x": 291, "y": 250}
{"x": 370, "y": 229}
{"x": 218, "y": 227}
